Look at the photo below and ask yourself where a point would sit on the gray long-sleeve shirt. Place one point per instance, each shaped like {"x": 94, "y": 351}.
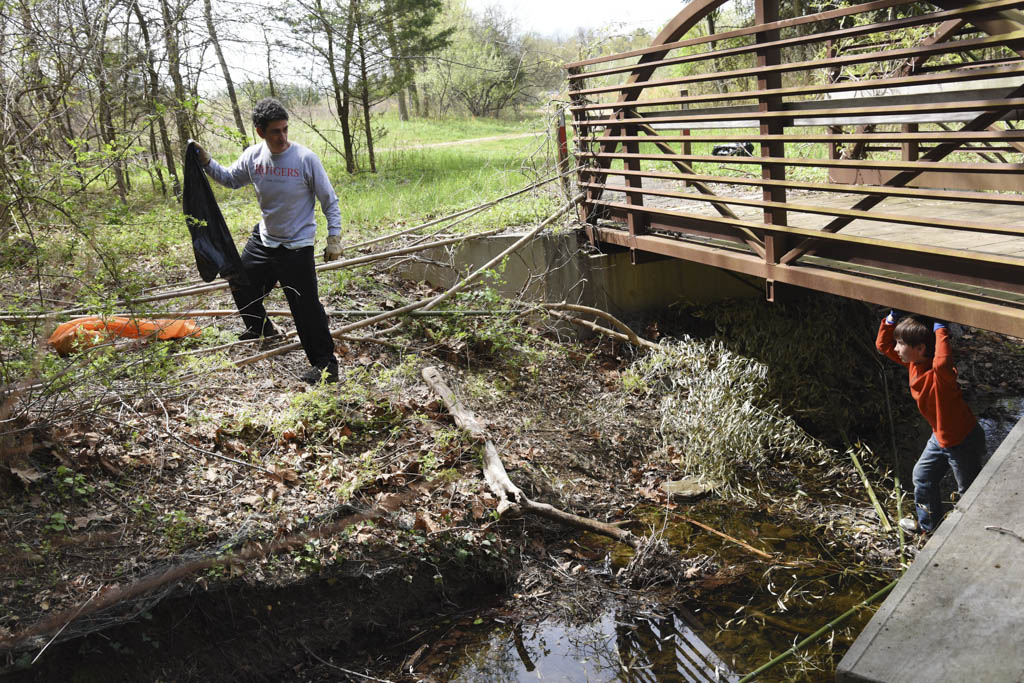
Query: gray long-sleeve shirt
{"x": 287, "y": 187}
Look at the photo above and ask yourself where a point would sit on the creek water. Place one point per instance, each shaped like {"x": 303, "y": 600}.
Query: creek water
{"x": 719, "y": 633}
{"x": 715, "y": 634}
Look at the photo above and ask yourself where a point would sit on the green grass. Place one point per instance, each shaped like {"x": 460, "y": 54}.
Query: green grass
{"x": 427, "y": 131}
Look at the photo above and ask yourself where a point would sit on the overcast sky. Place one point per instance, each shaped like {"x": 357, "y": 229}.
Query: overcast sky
{"x": 550, "y": 17}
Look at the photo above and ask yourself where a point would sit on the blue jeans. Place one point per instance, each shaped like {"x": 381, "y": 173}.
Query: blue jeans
{"x": 965, "y": 461}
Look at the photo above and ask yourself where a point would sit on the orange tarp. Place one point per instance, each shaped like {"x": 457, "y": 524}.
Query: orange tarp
{"x": 83, "y": 332}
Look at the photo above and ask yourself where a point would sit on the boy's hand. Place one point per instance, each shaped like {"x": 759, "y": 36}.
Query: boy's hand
{"x": 937, "y": 325}
{"x": 893, "y": 316}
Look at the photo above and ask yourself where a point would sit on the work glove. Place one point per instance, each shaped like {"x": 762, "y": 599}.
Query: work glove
{"x": 333, "y": 250}
{"x": 894, "y": 315}
{"x": 204, "y": 156}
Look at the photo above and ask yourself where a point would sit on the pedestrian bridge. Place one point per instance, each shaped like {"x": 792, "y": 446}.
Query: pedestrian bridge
{"x": 885, "y": 162}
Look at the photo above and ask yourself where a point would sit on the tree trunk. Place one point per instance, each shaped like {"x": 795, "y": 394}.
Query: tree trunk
{"x": 346, "y": 96}
{"x": 338, "y": 86}
{"x": 270, "y": 71}
{"x": 414, "y": 97}
{"x": 403, "y": 108}
{"x": 155, "y": 166}
{"x": 364, "y": 92}
{"x": 106, "y": 123}
{"x": 211, "y": 27}
{"x": 398, "y": 65}
{"x": 174, "y": 68}
{"x": 153, "y": 82}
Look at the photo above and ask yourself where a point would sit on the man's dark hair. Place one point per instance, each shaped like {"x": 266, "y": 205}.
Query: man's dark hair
{"x": 266, "y": 110}
{"x": 913, "y": 331}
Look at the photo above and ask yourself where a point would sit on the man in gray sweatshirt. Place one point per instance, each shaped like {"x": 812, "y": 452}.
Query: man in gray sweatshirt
{"x": 288, "y": 179}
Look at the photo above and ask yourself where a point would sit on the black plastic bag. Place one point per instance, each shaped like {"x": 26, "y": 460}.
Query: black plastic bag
{"x": 211, "y": 241}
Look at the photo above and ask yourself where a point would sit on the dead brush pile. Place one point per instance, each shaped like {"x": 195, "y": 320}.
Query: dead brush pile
{"x": 714, "y": 414}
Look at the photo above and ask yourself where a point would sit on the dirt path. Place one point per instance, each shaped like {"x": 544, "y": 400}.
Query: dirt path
{"x": 452, "y": 143}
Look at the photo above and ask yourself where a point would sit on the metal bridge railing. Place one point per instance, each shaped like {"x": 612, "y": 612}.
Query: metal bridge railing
{"x": 871, "y": 151}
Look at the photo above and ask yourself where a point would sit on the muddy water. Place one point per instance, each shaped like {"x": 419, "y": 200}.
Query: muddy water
{"x": 712, "y": 634}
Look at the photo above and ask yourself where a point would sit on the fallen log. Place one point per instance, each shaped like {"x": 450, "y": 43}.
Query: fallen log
{"x": 626, "y": 335}
{"x": 511, "y": 499}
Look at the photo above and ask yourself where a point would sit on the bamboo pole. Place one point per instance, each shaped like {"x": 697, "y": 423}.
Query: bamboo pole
{"x": 879, "y": 510}
{"x": 425, "y": 304}
{"x": 897, "y": 487}
{"x": 201, "y": 285}
{"x": 472, "y": 277}
{"x": 633, "y": 339}
{"x": 744, "y": 544}
{"x": 332, "y": 265}
{"x": 331, "y": 312}
{"x": 817, "y": 634}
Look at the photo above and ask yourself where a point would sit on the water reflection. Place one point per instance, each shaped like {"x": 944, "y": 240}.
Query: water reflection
{"x": 614, "y": 647}
{"x": 998, "y": 416}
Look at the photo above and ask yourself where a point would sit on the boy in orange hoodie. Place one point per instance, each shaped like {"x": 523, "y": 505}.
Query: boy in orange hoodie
{"x": 957, "y": 441}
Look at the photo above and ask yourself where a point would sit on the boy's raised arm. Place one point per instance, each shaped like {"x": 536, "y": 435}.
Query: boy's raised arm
{"x": 942, "y": 363}
{"x": 886, "y": 340}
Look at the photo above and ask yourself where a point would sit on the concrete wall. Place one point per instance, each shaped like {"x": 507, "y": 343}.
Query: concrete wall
{"x": 561, "y": 267}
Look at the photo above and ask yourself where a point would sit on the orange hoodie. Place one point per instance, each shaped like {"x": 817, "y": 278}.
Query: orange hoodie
{"x": 933, "y": 385}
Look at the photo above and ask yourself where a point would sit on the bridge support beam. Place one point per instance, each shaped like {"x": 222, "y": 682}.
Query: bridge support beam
{"x": 981, "y": 314}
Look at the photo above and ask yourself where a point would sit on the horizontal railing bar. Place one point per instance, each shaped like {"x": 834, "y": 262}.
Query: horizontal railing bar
{"x": 1002, "y": 199}
{"x": 924, "y": 136}
{"x": 879, "y": 164}
{"x": 975, "y": 292}
{"x": 959, "y": 271}
{"x": 867, "y": 29}
{"x": 746, "y": 31}
{"x": 970, "y": 257}
{"x": 963, "y": 226}
{"x": 887, "y": 55}
{"x": 1004, "y": 319}
{"x": 930, "y": 78}
{"x": 1001, "y": 279}
{"x": 847, "y": 111}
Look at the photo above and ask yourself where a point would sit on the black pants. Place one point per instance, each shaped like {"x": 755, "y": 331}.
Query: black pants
{"x": 294, "y": 269}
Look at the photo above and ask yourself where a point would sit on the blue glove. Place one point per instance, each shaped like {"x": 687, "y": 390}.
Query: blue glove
{"x": 937, "y": 325}
{"x": 894, "y": 315}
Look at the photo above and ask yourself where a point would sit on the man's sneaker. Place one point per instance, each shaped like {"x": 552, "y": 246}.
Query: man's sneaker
{"x": 269, "y": 338}
{"x": 910, "y": 525}
{"x": 315, "y": 375}
{"x": 269, "y": 341}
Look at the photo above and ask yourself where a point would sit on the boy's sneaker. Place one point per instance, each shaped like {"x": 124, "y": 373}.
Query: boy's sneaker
{"x": 910, "y": 525}
{"x": 315, "y": 375}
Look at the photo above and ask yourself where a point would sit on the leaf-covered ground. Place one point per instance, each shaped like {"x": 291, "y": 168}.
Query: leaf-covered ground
{"x": 144, "y": 474}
